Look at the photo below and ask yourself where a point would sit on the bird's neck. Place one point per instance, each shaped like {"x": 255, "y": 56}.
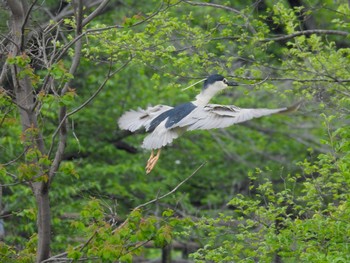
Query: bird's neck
{"x": 204, "y": 97}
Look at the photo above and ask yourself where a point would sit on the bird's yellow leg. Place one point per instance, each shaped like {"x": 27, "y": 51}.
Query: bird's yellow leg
{"x": 152, "y": 161}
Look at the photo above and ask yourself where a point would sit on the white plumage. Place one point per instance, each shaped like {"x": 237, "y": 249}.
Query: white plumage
{"x": 166, "y": 123}
{"x": 210, "y": 116}
{"x": 161, "y": 137}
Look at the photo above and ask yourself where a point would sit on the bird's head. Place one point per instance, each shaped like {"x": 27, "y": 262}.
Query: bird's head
{"x": 212, "y": 85}
{"x": 217, "y": 82}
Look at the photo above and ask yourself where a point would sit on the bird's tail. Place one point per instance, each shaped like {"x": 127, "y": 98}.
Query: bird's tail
{"x": 292, "y": 108}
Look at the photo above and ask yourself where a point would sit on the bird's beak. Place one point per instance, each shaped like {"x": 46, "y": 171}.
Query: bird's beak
{"x": 232, "y": 83}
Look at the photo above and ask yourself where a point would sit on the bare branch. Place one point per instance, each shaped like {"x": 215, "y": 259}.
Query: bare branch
{"x": 306, "y": 33}
{"x": 214, "y": 5}
{"x": 25, "y": 22}
{"x": 95, "y": 13}
{"x": 67, "y": 11}
{"x": 330, "y": 80}
{"x": 172, "y": 191}
{"x": 3, "y": 73}
{"x": 78, "y": 45}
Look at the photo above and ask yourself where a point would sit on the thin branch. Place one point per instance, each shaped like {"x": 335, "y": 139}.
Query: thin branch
{"x": 25, "y": 22}
{"x": 172, "y": 191}
{"x": 17, "y": 158}
{"x": 13, "y": 184}
{"x": 109, "y": 75}
{"x": 10, "y": 40}
{"x": 3, "y": 73}
{"x": 214, "y": 5}
{"x": 86, "y": 243}
{"x": 331, "y": 80}
{"x": 99, "y": 30}
{"x": 95, "y": 13}
{"x": 78, "y": 7}
{"x": 162, "y": 196}
{"x": 307, "y": 32}
{"x": 78, "y": 45}
{"x": 228, "y": 8}
{"x": 67, "y": 12}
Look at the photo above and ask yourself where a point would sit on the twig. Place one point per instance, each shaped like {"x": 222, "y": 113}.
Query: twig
{"x": 25, "y": 22}
{"x": 81, "y": 246}
{"x": 214, "y": 5}
{"x": 307, "y": 32}
{"x": 162, "y": 196}
{"x": 17, "y": 158}
{"x": 228, "y": 8}
{"x": 172, "y": 191}
{"x": 3, "y": 73}
{"x": 95, "y": 13}
{"x": 99, "y": 30}
{"x": 109, "y": 75}
{"x": 260, "y": 82}
{"x": 66, "y": 11}
{"x": 293, "y": 79}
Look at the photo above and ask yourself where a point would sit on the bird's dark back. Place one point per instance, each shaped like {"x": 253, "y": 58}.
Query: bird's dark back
{"x": 174, "y": 115}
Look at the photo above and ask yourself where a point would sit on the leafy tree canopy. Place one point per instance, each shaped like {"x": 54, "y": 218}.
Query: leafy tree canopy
{"x": 73, "y": 185}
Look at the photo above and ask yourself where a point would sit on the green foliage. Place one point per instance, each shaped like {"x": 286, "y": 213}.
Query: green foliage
{"x": 59, "y": 72}
{"x": 295, "y": 205}
{"x": 306, "y": 221}
{"x": 110, "y": 242}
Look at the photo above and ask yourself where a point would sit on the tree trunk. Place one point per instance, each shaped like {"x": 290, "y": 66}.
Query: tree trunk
{"x": 166, "y": 254}
{"x": 44, "y": 224}
{"x": 24, "y": 98}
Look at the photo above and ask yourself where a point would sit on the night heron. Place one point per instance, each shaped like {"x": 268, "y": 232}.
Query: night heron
{"x": 166, "y": 123}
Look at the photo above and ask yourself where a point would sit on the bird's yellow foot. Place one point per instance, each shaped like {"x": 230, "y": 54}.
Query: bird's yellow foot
{"x": 152, "y": 161}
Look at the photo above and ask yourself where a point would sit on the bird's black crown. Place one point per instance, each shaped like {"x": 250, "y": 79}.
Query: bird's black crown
{"x": 212, "y": 78}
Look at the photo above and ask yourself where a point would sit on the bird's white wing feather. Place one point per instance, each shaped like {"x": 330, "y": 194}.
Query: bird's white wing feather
{"x": 161, "y": 136}
{"x": 221, "y": 116}
{"x": 136, "y": 119}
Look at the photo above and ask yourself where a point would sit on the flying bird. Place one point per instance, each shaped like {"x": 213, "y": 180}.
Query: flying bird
{"x": 165, "y": 123}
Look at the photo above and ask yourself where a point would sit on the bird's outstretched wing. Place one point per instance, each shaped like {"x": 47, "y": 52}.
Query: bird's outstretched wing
{"x": 136, "y": 119}
{"x": 214, "y": 116}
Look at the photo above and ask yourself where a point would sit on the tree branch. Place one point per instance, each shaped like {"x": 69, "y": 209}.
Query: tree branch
{"x": 331, "y": 80}
{"x": 62, "y": 128}
{"x": 228, "y": 8}
{"x": 25, "y": 22}
{"x": 3, "y": 74}
{"x": 99, "y": 30}
{"x": 109, "y": 75}
{"x": 68, "y": 12}
{"x": 172, "y": 191}
{"x": 16, "y": 7}
{"x": 307, "y": 32}
{"x": 95, "y": 13}
{"x": 214, "y": 5}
